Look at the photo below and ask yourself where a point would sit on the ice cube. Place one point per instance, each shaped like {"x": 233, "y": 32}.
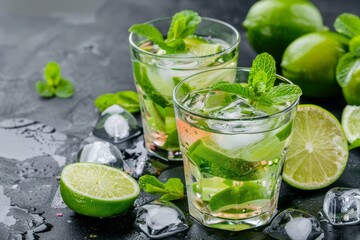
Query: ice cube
{"x": 239, "y": 108}
{"x": 295, "y": 225}
{"x": 342, "y": 206}
{"x": 101, "y": 152}
{"x": 116, "y": 125}
{"x": 160, "y": 219}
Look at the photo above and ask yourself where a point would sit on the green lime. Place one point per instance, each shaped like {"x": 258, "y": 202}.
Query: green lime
{"x": 319, "y": 151}
{"x": 351, "y": 122}
{"x": 240, "y": 198}
{"x": 271, "y": 25}
{"x": 310, "y": 62}
{"x": 211, "y": 158}
{"x": 205, "y": 49}
{"x": 97, "y": 190}
{"x": 352, "y": 90}
{"x": 207, "y": 187}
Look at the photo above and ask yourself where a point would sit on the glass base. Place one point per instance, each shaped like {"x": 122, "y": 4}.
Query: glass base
{"x": 231, "y": 224}
{"x": 167, "y": 155}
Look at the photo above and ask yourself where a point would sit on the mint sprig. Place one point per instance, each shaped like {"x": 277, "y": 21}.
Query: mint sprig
{"x": 173, "y": 189}
{"x": 54, "y": 84}
{"x": 183, "y": 24}
{"x": 349, "y": 25}
{"x": 126, "y": 99}
{"x": 260, "y": 88}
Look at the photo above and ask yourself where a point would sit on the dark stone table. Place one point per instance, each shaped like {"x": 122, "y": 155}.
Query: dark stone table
{"x": 89, "y": 39}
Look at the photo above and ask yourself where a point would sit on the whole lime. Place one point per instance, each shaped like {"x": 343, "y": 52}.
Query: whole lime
{"x": 271, "y": 25}
{"x": 352, "y": 90}
{"x": 310, "y": 62}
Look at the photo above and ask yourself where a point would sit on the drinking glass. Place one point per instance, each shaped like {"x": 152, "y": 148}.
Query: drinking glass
{"x": 156, "y": 75}
{"x": 233, "y": 152}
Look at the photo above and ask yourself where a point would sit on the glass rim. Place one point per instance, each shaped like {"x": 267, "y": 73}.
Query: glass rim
{"x": 246, "y": 69}
{"x": 225, "y": 51}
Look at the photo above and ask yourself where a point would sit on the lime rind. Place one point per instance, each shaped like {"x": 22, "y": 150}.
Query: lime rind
{"x": 72, "y": 169}
{"x": 318, "y": 153}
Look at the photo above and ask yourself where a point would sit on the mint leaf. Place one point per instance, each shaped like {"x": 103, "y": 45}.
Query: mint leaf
{"x": 173, "y": 189}
{"x": 354, "y": 46}
{"x": 44, "y": 89}
{"x": 64, "y": 89}
{"x": 104, "y": 101}
{"x": 147, "y": 31}
{"x": 174, "y": 46}
{"x": 232, "y": 88}
{"x": 345, "y": 68}
{"x": 259, "y": 82}
{"x": 52, "y": 73}
{"x": 126, "y": 99}
{"x": 347, "y": 24}
{"x": 263, "y": 62}
{"x": 355, "y": 144}
{"x": 283, "y": 93}
{"x": 183, "y": 24}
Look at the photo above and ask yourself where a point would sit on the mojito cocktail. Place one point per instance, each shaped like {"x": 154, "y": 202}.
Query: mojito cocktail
{"x": 233, "y": 149}
{"x": 158, "y": 67}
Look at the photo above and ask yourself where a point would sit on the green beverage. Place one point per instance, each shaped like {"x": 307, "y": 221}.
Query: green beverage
{"x": 160, "y": 62}
{"x": 234, "y": 143}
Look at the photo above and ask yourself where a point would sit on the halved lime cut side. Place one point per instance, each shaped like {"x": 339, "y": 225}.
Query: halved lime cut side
{"x": 97, "y": 190}
{"x": 351, "y": 122}
{"x": 318, "y": 153}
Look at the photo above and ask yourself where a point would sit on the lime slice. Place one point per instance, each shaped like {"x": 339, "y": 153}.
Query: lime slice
{"x": 207, "y": 187}
{"x": 351, "y": 122}
{"x": 240, "y": 198}
{"x": 318, "y": 153}
{"x": 211, "y": 158}
{"x": 204, "y": 49}
{"x": 97, "y": 190}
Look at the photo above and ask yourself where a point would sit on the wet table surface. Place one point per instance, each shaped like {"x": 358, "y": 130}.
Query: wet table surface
{"x": 89, "y": 39}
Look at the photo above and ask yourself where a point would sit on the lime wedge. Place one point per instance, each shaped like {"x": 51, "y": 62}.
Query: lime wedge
{"x": 239, "y": 198}
{"x": 351, "y": 122}
{"x": 204, "y": 49}
{"x": 318, "y": 153}
{"x": 211, "y": 158}
{"x": 97, "y": 190}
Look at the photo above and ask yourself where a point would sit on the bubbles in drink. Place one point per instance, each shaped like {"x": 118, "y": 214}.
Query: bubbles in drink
{"x": 160, "y": 219}
{"x": 116, "y": 125}
{"x": 342, "y": 206}
{"x": 295, "y": 225}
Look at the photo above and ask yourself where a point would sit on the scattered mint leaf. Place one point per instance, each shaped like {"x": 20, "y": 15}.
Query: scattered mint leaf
{"x": 345, "y": 68}
{"x": 232, "y": 88}
{"x": 173, "y": 189}
{"x": 354, "y": 46}
{"x": 54, "y": 84}
{"x": 266, "y": 63}
{"x": 283, "y": 93}
{"x": 126, "y": 99}
{"x": 348, "y": 24}
{"x": 64, "y": 89}
{"x": 355, "y": 144}
{"x": 52, "y": 73}
{"x": 183, "y": 24}
{"x": 44, "y": 90}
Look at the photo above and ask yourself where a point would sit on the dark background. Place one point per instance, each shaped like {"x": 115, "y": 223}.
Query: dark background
{"x": 89, "y": 39}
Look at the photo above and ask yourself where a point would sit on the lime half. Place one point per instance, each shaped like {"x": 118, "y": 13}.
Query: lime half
{"x": 97, "y": 190}
{"x": 351, "y": 122}
{"x": 318, "y": 153}
{"x": 238, "y": 198}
